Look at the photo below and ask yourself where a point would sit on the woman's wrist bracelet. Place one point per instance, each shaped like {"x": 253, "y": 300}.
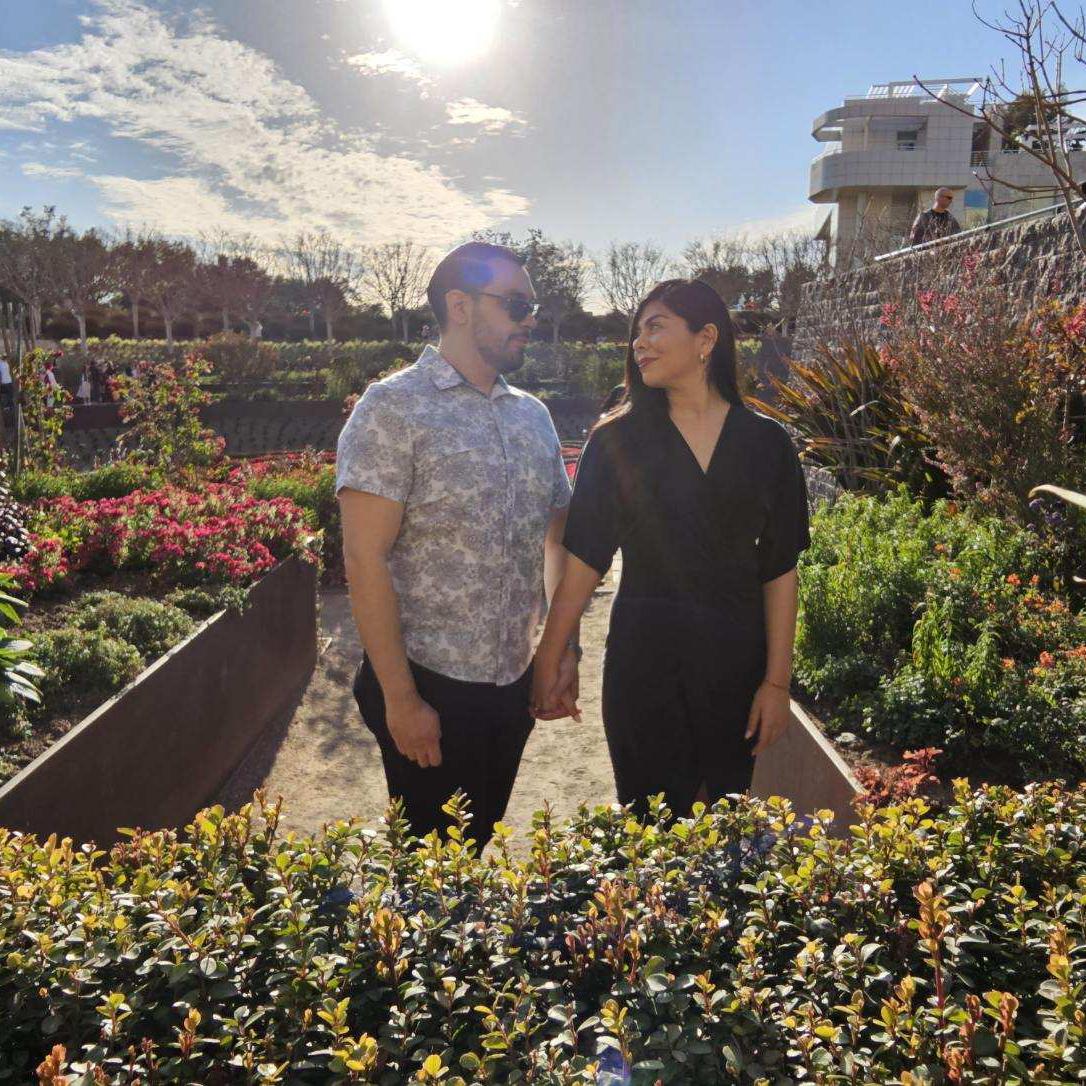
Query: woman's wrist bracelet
{"x": 780, "y": 686}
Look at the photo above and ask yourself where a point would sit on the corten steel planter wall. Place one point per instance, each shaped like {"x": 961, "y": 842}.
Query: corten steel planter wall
{"x": 159, "y": 750}
{"x": 802, "y": 766}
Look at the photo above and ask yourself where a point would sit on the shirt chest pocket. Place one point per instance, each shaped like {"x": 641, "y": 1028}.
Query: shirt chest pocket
{"x": 454, "y": 472}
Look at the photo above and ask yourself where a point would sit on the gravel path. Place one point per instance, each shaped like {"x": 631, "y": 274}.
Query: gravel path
{"x": 326, "y": 765}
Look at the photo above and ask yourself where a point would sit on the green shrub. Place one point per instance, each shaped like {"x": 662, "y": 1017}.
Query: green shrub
{"x": 734, "y": 946}
{"x": 113, "y": 480}
{"x": 34, "y": 485}
{"x": 236, "y": 357}
{"x": 943, "y": 628}
{"x": 355, "y": 365}
{"x": 79, "y": 662}
{"x": 152, "y": 627}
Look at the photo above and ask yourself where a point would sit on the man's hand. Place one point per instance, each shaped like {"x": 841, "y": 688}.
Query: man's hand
{"x": 556, "y": 687}
{"x": 770, "y": 714}
{"x": 415, "y": 729}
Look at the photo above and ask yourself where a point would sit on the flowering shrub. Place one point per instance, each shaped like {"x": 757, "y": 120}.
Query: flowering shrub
{"x": 160, "y": 406}
{"x": 893, "y": 784}
{"x": 219, "y": 534}
{"x": 943, "y": 629}
{"x": 996, "y": 393}
{"x": 43, "y": 423}
{"x": 734, "y": 946}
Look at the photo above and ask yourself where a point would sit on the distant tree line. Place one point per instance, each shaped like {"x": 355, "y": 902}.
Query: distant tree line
{"x": 315, "y": 285}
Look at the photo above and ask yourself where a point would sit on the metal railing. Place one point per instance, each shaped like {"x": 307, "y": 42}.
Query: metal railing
{"x": 974, "y": 231}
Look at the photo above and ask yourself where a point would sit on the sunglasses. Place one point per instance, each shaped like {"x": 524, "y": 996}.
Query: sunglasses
{"x": 518, "y": 307}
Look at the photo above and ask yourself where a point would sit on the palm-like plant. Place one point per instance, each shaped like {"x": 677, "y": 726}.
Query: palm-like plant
{"x": 17, "y": 672}
{"x": 852, "y": 419}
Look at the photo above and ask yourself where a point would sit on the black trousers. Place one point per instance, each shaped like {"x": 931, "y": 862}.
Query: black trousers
{"x": 483, "y": 731}
{"x": 678, "y": 683}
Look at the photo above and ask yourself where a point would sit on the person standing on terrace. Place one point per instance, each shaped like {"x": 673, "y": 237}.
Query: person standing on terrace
{"x": 937, "y": 222}
{"x": 453, "y": 495}
{"x": 707, "y": 501}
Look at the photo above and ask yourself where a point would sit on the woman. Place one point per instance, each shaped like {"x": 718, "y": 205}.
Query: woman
{"x": 708, "y": 503}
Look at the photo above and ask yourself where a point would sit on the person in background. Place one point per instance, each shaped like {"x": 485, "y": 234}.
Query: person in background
{"x": 52, "y": 385}
{"x": 937, "y": 222}
{"x": 83, "y": 393}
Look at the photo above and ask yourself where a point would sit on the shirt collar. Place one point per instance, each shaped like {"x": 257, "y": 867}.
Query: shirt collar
{"x": 445, "y": 375}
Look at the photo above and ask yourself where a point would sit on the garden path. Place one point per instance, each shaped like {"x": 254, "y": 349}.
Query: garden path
{"x": 326, "y": 765}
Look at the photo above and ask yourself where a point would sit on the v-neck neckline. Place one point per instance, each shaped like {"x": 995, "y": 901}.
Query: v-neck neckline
{"x": 724, "y": 427}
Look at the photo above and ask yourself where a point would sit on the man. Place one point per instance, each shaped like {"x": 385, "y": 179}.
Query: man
{"x": 453, "y": 497}
{"x": 937, "y": 222}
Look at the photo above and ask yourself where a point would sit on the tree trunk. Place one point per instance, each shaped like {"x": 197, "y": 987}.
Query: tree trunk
{"x": 225, "y": 319}
{"x": 327, "y": 326}
{"x": 35, "y": 323}
{"x": 81, "y": 320}
{"x": 406, "y": 327}
{"x": 168, "y": 322}
{"x": 312, "y": 323}
{"x": 135, "y": 318}
{"x": 197, "y": 324}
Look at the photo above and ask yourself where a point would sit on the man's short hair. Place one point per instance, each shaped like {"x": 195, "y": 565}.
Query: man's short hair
{"x": 468, "y": 267}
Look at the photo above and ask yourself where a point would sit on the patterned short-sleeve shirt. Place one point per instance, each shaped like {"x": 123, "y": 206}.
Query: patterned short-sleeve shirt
{"x": 479, "y": 477}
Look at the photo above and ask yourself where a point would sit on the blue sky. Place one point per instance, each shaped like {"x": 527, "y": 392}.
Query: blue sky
{"x": 596, "y": 120}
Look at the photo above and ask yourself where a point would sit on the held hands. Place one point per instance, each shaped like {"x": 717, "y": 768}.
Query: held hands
{"x": 555, "y": 686}
{"x": 769, "y": 715}
{"x": 415, "y": 729}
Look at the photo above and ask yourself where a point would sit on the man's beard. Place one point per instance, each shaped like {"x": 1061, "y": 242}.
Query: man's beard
{"x": 508, "y": 360}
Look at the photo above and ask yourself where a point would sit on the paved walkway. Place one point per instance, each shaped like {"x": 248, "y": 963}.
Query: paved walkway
{"x": 326, "y": 764}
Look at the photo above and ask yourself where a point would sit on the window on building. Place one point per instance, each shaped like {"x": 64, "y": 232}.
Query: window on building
{"x": 907, "y": 139}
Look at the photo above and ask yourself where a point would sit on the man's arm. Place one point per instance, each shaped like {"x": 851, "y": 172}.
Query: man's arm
{"x": 370, "y": 527}
{"x": 916, "y": 235}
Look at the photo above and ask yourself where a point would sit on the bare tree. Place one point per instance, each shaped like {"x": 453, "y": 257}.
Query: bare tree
{"x": 171, "y": 280}
{"x": 628, "y": 271}
{"x": 24, "y": 260}
{"x": 233, "y": 278}
{"x": 397, "y": 274}
{"x": 1048, "y": 43}
{"x": 330, "y": 271}
{"x": 729, "y": 264}
{"x": 133, "y": 261}
{"x": 793, "y": 259}
{"x": 81, "y": 271}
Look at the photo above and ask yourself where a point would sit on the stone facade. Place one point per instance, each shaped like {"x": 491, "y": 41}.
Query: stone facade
{"x": 1036, "y": 256}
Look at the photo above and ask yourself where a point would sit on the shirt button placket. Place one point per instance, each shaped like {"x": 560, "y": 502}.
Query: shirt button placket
{"x": 504, "y": 586}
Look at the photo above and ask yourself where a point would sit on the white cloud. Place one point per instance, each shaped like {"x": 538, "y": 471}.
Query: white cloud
{"x": 390, "y": 62}
{"x": 247, "y": 148}
{"x": 807, "y": 218}
{"x": 54, "y": 173}
{"x": 491, "y": 119}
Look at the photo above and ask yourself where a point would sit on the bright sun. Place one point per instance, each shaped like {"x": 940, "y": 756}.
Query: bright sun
{"x": 444, "y": 30}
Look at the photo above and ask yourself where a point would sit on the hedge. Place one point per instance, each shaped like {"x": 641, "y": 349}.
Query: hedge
{"x": 739, "y": 945}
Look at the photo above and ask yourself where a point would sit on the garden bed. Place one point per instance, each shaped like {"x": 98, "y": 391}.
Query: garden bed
{"x": 156, "y": 751}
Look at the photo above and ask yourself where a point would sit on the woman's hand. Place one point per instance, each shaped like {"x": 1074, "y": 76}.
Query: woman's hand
{"x": 770, "y": 713}
{"x": 555, "y": 686}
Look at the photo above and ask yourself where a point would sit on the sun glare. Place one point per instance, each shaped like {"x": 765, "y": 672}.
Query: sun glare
{"x": 444, "y": 31}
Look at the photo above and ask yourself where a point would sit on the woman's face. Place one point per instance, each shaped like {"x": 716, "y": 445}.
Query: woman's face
{"x": 667, "y": 353}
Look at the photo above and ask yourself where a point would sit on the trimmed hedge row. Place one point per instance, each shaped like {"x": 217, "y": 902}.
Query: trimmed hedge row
{"x": 738, "y": 945}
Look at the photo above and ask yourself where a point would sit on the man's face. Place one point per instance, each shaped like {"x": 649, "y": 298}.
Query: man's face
{"x": 943, "y": 199}
{"x": 499, "y": 338}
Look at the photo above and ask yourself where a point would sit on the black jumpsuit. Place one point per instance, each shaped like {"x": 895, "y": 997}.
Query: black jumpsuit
{"x": 686, "y": 649}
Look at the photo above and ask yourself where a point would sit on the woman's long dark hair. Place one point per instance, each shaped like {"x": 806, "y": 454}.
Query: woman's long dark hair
{"x": 698, "y": 304}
